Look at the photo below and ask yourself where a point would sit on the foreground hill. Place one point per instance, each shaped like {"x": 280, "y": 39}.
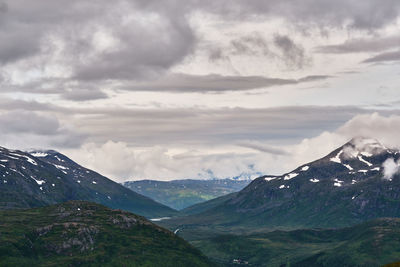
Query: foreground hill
{"x": 179, "y": 194}
{"x": 80, "y": 233}
{"x": 346, "y": 187}
{"x": 41, "y": 178}
{"x": 369, "y": 244}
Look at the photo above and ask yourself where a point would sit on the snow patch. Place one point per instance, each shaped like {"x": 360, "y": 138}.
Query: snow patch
{"x": 269, "y": 178}
{"x": 337, "y": 157}
{"x": 290, "y": 176}
{"x": 305, "y": 168}
{"x": 160, "y": 219}
{"x": 348, "y": 167}
{"x": 58, "y": 158}
{"x": 39, "y": 182}
{"x": 314, "y": 180}
{"x": 363, "y": 160}
{"x": 366, "y": 154}
{"x": 337, "y": 182}
{"x": 39, "y": 154}
{"x": 60, "y": 167}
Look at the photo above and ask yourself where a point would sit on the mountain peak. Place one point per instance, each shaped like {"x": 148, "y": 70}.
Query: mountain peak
{"x": 364, "y": 146}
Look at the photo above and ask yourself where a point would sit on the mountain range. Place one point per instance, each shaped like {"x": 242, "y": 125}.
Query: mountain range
{"x": 328, "y": 212}
{"x": 348, "y": 186}
{"x": 180, "y": 194}
{"x": 42, "y": 178}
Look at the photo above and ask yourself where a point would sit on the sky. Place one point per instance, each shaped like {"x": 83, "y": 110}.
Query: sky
{"x": 179, "y": 89}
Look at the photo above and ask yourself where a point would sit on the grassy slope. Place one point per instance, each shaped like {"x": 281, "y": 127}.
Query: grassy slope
{"x": 87, "y": 234}
{"x": 369, "y": 244}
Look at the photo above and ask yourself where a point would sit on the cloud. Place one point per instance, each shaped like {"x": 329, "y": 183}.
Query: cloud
{"x": 390, "y": 168}
{"x": 83, "y": 94}
{"x": 148, "y": 127}
{"x": 384, "y": 57}
{"x": 22, "y": 129}
{"x": 124, "y": 160}
{"x": 292, "y": 54}
{"x": 361, "y": 45}
{"x": 263, "y": 148}
{"x": 370, "y": 14}
{"x": 214, "y": 83}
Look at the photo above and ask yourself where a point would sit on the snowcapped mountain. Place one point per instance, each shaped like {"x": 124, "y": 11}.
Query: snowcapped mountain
{"x": 348, "y": 186}
{"x": 41, "y": 178}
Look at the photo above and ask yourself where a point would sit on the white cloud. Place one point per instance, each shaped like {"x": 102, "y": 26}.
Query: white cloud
{"x": 122, "y": 162}
{"x": 390, "y": 168}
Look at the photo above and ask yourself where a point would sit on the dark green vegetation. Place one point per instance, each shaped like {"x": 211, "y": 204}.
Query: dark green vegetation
{"x": 369, "y": 244}
{"x": 80, "y": 233}
{"x": 342, "y": 189}
{"x": 45, "y": 178}
{"x": 179, "y": 194}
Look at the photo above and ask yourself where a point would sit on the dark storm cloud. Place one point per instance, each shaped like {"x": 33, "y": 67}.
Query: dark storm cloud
{"x": 149, "y": 37}
{"x": 214, "y": 83}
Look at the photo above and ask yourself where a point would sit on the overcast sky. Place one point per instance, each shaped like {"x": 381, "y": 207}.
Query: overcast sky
{"x": 176, "y": 89}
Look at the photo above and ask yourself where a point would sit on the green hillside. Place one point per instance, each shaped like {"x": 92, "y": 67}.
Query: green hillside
{"x": 369, "y": 244}
{"x": 80, "y": 233}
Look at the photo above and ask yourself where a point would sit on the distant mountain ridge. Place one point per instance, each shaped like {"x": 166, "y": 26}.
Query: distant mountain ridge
{"x": 179, "y": 194}
{"x": 42, "y": 178}
{"x": 346, "y": 187}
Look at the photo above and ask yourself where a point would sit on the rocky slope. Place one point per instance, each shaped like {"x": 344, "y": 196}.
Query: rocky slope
{"x": 47, "y": 177}
{"x": 79, "y": 233}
